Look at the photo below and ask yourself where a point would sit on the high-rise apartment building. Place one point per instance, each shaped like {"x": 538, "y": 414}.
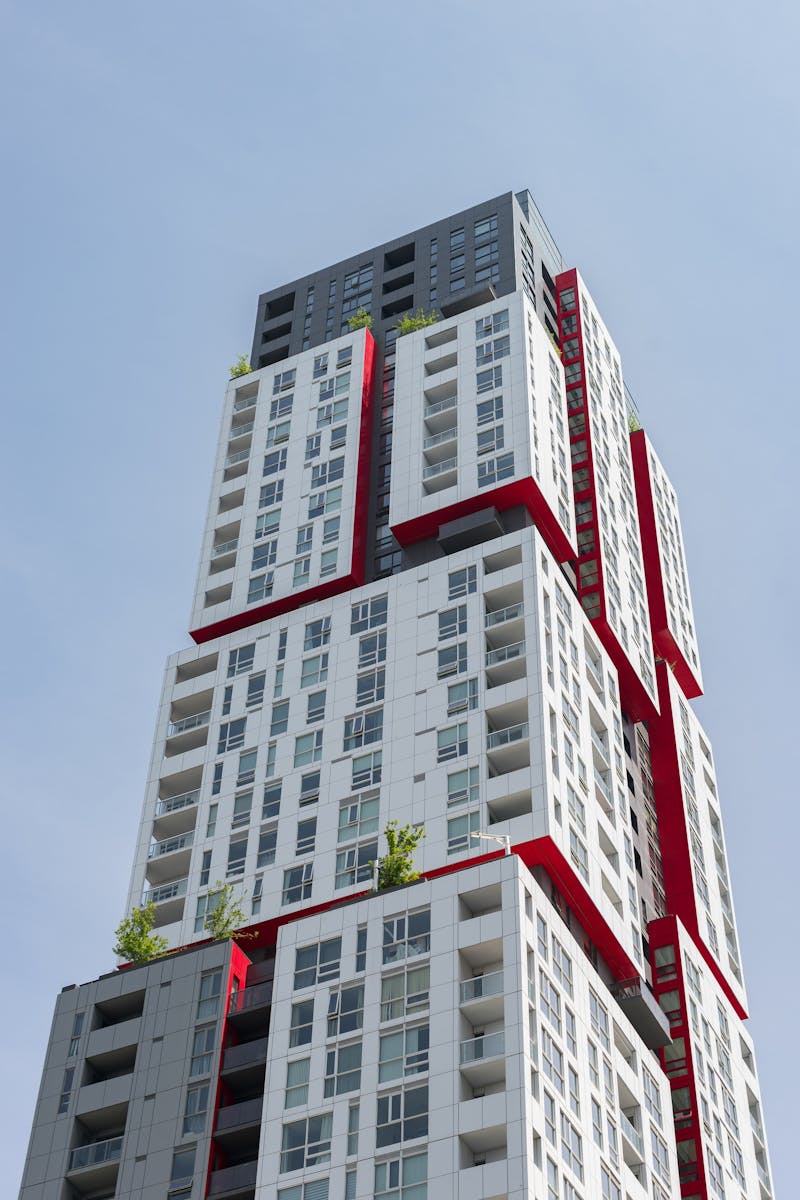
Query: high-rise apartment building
{"x": 442, "y": 582}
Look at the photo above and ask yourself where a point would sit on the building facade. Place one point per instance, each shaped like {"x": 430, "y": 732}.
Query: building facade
{"x": 442, "y": 582}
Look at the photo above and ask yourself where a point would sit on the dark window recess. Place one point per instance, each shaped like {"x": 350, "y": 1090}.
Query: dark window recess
{"x": 279, "y": 306}
{"x": 551, "y": 330}
{"x": 399, "y": 256}
{"x": 634, "y": 822}
{"x": 627, "y": 745}
{"x": 550, "y": 304}
{"x": 265, "y": 360}
{"x": 548, "y": 278}
{"x": 402, "y": 281}
{"x": 631, "y": 785}
{"x": 394, "y": 308}
{"x": 274, "y": 335}
{"x": 637, "y": 861}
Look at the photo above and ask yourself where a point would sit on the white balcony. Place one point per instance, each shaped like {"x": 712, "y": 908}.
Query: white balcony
{"x": 243, "y": 402}
{"x": 482, "y": 1058}
{"x": 225, "y": 548}
{"x": 512, "y": 612}
{"x": 482, "y": 998}
{"x": 505, "y": 663}
{"x": 439, "y": 476}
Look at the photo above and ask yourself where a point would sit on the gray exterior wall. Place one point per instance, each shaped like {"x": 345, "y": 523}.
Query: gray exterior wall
{"x": 526, "y": 258}
{"x": 131, "y": 1073}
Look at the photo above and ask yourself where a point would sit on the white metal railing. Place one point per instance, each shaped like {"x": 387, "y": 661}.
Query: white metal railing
{"x": 631, "y": 1133}
{"x": 505, "y": 653}
{"x": 504, "y": 737}
{"x": 602, "y": 785}
{"x": 224, "y": 548}
{"x": 504, "y": 614}
{"x": 487, "y": 1045}
{"x": 197, "y": 721}
{"x": 483, "y": 985}
{"x": 174, "y": 803}
{"x": 600, "y": 743}
{"x": 594, "y": 673}
{"x": 244, "y": 402}
{"x": 441, "y": 468}
{"x": 763, "y": 1176}
{"x": 96, "y": 1153}
{"x": 238, "y": 431}
{"x": 436, "y": 439}
{"x": 240, "y": 456}
{"x": 170, "y": 845}
{"x": 166, "y": 891}
{"x": 441, "y": 406}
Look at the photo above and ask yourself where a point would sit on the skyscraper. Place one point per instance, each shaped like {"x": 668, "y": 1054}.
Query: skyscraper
{"x": 442, "y": 583}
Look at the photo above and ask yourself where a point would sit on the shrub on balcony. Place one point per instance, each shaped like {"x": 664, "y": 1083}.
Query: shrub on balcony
{"x": 136, "y": 942}
{"x": 416, "y": 320}
{"x": 633, "y": 423}
{"x": 397, "y": 865}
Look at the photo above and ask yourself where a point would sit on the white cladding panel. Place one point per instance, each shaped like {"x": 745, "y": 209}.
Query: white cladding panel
{"x": 469, "y": 694}
{"x": 479, "y": 1040}
{"x": 282, "y": 513}
{"x": 479, "y": 404}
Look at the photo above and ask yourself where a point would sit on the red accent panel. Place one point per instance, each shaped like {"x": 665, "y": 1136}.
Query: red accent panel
{"x": 663, "y": 640}
{"x": 539, "y": 852}
{"x": 521, "y": 492}
{"x": 543, "y": 852}
{"x": 664, "y": 932}
{"x": 634, "y": 695}
{"x": 673, "y": 832}
{"x": 357, "y": 573}
{"x": 237, "y": 973}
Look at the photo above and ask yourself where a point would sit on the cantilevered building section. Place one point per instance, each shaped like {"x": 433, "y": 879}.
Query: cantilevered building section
{"x": 442, "y": 582}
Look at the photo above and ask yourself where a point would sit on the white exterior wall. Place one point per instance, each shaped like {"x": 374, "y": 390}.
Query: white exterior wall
{"x": 716, "y": 916}
{"x": 539, "y": 674}
{"x": 725, "y": 1075}
{"x": 618, "y": 522}
{"x": 672, "y": 558}
{"x": 498, "y": 352}
{"x": 484, "y": 920}
{"x": 235, "y": 506}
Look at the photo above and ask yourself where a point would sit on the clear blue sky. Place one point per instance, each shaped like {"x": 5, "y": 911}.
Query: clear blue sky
{"x": 165, "y": 162}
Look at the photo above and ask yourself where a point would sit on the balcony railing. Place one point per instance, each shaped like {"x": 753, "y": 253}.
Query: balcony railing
{"x": 593, "y": 673}
{"x": 602, "y": 786}
{"x": 600, "y": 742}
{"x": 166, "y": 891}
{"x": 505, "y": 654}
{"x": 437, "y": 439}
{"x": 441, "y": 468}
{"x": 240, "y": 1177}
{"x": 441, "y": 406}
{"x": 633, "y": 1135}
{"x": 245, "y": 1054}
{"x": 764, "y": 1177}
{"x": 238, "y": 431}
{"x": 505, "y": 737}
{"x": 172, "y": 804}
{"x": 244, "y": 402}
{"x": 251, "y": 997}
{"x": 170, "y": 845}
{"x": 504, "y": 614}
{"x": 197, "y": 721}
{"x": 248, "y": 1112}
{"x": 484, "y": 985}
{"x": 488, "y": 1045}
{"x": 225, "y": 548}
{"x": 239, "y": 456}
{"x": 97, "y": 1153}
